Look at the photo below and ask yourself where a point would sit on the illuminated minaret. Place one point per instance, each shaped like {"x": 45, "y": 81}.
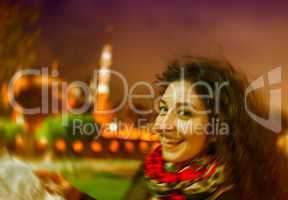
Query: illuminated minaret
{"x": 102, "y": 90}
{"x": 104, "y": 73}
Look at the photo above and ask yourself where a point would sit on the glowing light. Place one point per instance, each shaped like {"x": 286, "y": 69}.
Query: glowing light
{"x": 20, "y": 119}
{"x": 146, "y": 136}
{"x": 76, "y": 91}
{"x": 78, "y": 146}
{"x": 282, "y": 144}
{"x": 129, "y": 147}
{"x": 19, "y": 141}
{"x": 106, "y": 56}
{"x": 113, "y": 126}
{"x": 144, "y": 147}
{"x": 60, "y": 145}
{"x": 129, "y": 132}
{"x": 114, "y": 146}
{"x": 42, "y": 143}
{"x": 154, "y": 137}
{"x": 96, "y": 147}
{"x": 104, "y": 74}
{"x": 109, "y": 134}
{"x": 102, "y": 88}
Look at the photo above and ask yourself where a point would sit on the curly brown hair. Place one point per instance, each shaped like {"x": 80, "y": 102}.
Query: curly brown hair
{"x": 249, "y": 151}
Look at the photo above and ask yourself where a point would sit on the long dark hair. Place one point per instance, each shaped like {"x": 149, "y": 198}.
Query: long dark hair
{"x": 254, "y": 166}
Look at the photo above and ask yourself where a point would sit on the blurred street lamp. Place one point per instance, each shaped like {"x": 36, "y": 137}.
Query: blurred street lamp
{"x": 96, "y": 147}
{"x": 60, "y": 145}
{"x": 144, "y": 147}
{"x": 78, "y": 146}
{"x": 114, "y": 146}
{"x": 129, "y": 147}
{"x": 42, "y": 144}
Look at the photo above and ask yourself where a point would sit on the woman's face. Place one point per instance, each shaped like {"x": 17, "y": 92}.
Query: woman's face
{"x": 181, "y": 122}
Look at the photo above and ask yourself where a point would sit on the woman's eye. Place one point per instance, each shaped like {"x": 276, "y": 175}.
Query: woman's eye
{"x": 184, "y": 114}
{"x": 163, "y": 109}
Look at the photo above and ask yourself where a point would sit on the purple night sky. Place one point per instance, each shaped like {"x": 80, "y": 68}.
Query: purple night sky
{"x": 148, "y": 34}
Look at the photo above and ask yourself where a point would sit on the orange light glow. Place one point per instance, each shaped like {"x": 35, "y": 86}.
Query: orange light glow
{"x": 78, "y": 146}
{"x": 129, "y": 147}
{"x": 154, "y": 137}
{"x": 71, "y": 102}
{"x": 109, "y": 134}
{"x": 19, "y": 141}
{"x": 60, "y": 145}
{"x": 102, "y": 104}
{"x": 42, "y": 143}
{"x": 102, "y": 90}
{"x": 114, "y": 146}
{"x": 144, "y": 147}
{"x": 96, "y": 147}
{"x": 131, "y": 133}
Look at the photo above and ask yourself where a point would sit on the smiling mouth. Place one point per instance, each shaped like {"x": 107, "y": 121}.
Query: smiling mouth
{"x": 171, "y": 142}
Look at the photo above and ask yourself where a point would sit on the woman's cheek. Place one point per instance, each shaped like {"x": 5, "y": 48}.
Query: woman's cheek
{"x": 184, "y": 127}
{"x": 191, "y": 126}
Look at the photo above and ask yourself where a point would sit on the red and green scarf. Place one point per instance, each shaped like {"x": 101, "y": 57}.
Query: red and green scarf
{"x": 198, "y": 178}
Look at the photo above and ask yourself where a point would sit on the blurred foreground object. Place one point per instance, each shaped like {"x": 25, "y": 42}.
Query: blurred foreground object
{"x": 18, "y": 182}
{"x": 56, "y": 184}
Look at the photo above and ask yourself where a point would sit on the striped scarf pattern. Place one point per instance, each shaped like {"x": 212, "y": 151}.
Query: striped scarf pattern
{"x": 199, "y": 177}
